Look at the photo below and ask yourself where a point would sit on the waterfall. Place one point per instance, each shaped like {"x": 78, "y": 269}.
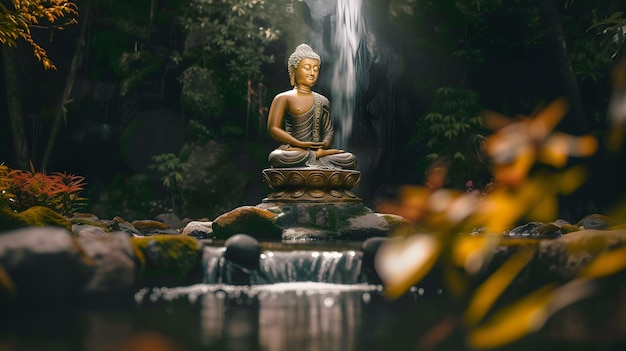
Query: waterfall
{"x": 347, "y": 36}
{"x": 347, "y": 30}
{"x": 338, "y": 267}
{"x": 316, "y": 266}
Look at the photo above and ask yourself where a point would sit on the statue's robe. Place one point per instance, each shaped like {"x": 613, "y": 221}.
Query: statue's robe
{"x": 313, "y": 125}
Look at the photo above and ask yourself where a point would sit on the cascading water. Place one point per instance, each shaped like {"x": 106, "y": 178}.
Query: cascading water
{"x": 337, "y": 267}
{"x": 346, "y": 54}
{"x": 346, "y": 41}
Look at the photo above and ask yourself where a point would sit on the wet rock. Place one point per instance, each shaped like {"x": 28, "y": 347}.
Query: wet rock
{"x": 150, "y": 227}
{"x": 304, "y": 233}
{"x": 370, "y": 248}
{"x": 80, "y": 217}
{"x": 87, "y": 230}
{"x": 171, "y": 219}
{"x": 112, "y": 269}
{"x": 342, "y": 220}
{"x": 395, "y": 222}
{"x": 167, "y": 260}
{"x": 536, "y": 230}
{"x": 561, "y": 260}
{"x": 258, "y": 223}
{"x": 45, "y": 264}
{"x": 243, "y": 250}
{"x": 120, "y": 224}
{"x": 595, "y": 221}
{"x": 199, "y": 229}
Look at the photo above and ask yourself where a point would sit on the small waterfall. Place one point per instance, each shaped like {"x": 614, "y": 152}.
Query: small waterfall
{"x": 212, "y": 263}
{"x": 337, "y": 267}
{"x": 315, "y": 266}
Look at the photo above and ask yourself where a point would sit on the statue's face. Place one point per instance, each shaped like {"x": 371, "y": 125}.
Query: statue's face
{"x": 307, "y": 72}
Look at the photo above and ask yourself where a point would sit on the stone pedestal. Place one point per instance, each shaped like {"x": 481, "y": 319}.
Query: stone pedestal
{"x": 310, "y": 184}
{"x": 318, "y": 203}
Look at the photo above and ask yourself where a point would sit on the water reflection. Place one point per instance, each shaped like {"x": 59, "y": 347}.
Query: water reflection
{"x": 286, "y": 316}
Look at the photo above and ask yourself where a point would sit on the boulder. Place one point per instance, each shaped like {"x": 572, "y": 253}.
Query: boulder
{"x": 112, "y": 272}
{"x": 167, "y": 259}
{"x": 44, "y": 264}
{"x": 199, "y": 229}
{"x": 243, "y": 250}
{"x": 256, "y": 222}
{"x": 152, "y": 227}
{"x": 36, "y": 216}
{"x": 335, "y": 220}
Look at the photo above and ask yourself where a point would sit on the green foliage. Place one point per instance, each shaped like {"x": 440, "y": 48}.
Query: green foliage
{"x": 610, "y": 34}
{"x": 58, "y": 191}
{"x": 170, "y": 168}
{"x": 232, "y": 33}
{"x": 136, "y": 196}
{"x": 452, "y": 130}
{"x": 127, "y": 46}
{"x": 227, "y": 49}
{"x": 202, "y": 94}
{"x": 474, "y": 28}
{"x": 136, "y": 67}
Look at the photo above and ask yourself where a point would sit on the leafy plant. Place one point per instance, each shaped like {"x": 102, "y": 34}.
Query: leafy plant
{"x": 453, "y": 131}
{"x": 171, "y": 168}
{"x": 611, "y": 32}
{"x": 16, "y": 22}
{"x": 228, "y": 47}
{"x": 58, "y": 191}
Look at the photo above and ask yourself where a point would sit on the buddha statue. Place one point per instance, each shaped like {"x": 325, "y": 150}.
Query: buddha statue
{"x": 307, "y": 136}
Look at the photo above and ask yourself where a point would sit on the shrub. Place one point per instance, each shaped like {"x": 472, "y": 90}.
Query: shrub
{"x": 21, "y": 190}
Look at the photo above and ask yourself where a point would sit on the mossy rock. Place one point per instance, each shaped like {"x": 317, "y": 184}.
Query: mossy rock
{"x": 87, "y": 221}
{"x": 396, "y": 223}
{"x": 167, "y": 259}
{"x": 596, "y": 221}
{"x": 142, "y": 225}
{"x": 36, "y": 216}
{"x": 256, "y": 222}
{"x": 569, "y": 228}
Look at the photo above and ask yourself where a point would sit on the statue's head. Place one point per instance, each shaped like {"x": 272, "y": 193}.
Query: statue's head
{"x": 302, "y": 51}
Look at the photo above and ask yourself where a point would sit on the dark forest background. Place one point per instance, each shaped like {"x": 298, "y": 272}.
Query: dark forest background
{"x": 162, "y": 105}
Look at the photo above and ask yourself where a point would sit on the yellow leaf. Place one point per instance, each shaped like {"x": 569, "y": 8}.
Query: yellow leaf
{"x": 488, "y": 292}
{"x": 513, "y": 322}
{"x": 606, "y": 264}
{"x": 470, "y": 252}
{"x": 402, "y": 262}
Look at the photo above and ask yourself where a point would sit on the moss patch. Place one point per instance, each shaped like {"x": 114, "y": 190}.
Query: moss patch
{"x": 256, "y": 222}
{"x": 167, "y": 259}
{"x": 36, "y": 216}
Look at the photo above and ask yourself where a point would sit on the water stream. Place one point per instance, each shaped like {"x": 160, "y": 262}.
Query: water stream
{"x": 339, "y": 267}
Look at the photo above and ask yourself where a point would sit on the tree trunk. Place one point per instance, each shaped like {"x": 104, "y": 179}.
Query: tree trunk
{"x": 550, "y": 16}
{"x": 14, "y": 101}
{"x": 60, "y": 109}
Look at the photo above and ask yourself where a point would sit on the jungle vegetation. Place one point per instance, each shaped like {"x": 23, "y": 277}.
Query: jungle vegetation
{"x": 129, "y": 93}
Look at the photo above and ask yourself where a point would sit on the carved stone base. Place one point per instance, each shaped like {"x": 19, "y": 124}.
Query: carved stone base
{"x": 311, "y": 184}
